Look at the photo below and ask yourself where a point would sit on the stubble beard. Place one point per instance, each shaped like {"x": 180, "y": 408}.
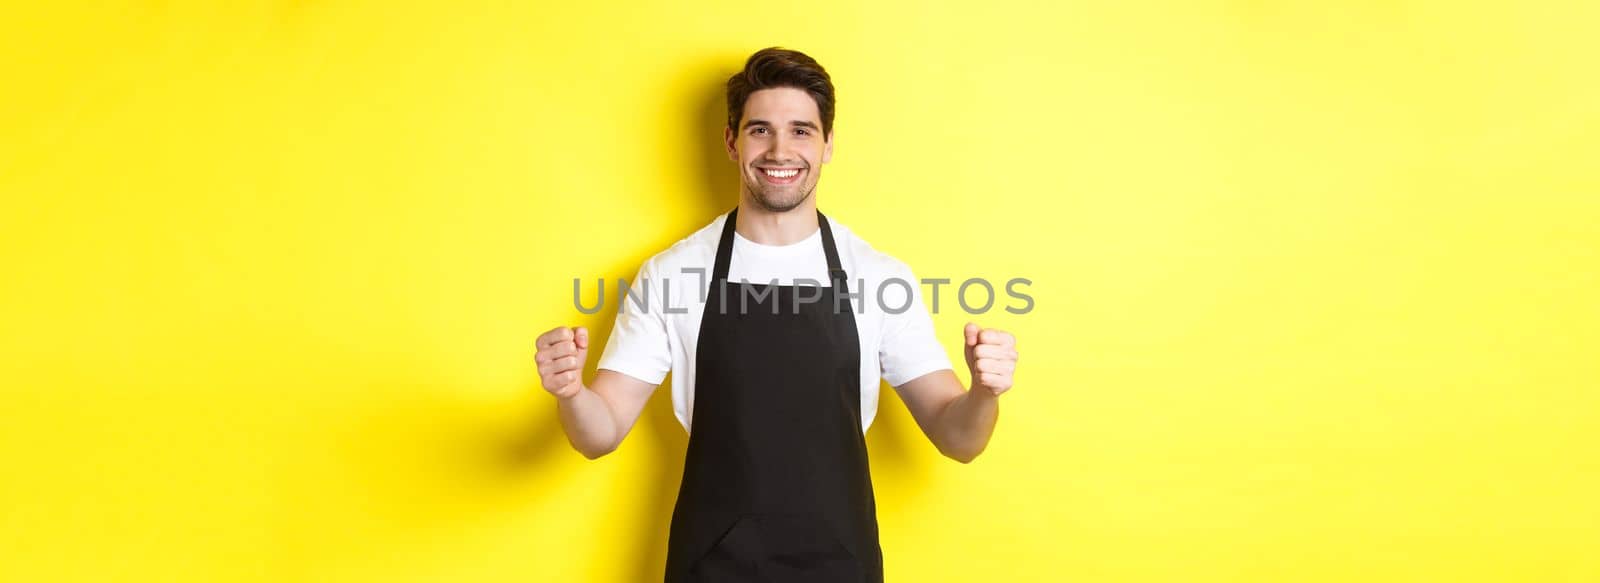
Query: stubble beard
{"x": 772, "y": 198}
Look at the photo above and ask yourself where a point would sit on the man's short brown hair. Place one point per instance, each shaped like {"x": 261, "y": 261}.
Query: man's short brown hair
{"x": 778, "y": 67}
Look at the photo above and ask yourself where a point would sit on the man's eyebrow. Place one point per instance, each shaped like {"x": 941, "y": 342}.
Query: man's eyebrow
{"x": 761, "y": 122}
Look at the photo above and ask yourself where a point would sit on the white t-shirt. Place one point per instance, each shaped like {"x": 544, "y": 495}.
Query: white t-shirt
{"x": 661, "y": 335}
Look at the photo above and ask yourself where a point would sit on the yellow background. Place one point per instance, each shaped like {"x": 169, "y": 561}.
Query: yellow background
{"x": 1316, "y": 282}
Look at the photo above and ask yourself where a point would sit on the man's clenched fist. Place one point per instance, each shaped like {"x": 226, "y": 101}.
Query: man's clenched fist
{"x": 561, "y": 355}
{"x": 992, "y": 358}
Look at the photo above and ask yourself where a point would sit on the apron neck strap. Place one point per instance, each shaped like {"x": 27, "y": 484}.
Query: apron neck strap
{"x": 719, "y": 272}
{"x": 835, "y": 270}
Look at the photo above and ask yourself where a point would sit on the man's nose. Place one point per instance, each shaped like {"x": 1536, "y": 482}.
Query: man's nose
{"x": 781, "y": 150}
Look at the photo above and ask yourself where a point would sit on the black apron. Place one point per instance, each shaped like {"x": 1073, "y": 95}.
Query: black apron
{"x": 775, "y": 484}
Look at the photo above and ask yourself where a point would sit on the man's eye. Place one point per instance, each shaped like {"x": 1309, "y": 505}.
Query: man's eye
{"x": 802, "y": 132}
{"x": 758, "y": 130}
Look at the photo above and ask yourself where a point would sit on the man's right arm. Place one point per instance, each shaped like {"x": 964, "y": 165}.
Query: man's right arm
{"x": 595, "y": 418}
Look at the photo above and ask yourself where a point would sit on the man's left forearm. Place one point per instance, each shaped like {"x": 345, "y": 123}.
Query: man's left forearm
{"x": 959, "y": 422}
{"x": 966, "y": 424}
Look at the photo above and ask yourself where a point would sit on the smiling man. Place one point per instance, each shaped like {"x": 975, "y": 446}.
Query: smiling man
{"x": 776, "y": 325}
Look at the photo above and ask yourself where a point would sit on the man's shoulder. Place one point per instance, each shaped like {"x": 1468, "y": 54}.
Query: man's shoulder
{"x": 871, "y": 261}
{"x": 697, "y": 250}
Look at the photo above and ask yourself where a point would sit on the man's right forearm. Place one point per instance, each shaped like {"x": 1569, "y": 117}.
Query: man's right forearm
{"x": 590, "y": 426}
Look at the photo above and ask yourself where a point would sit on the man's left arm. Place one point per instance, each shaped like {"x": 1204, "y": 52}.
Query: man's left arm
{"x": 960, "y": 421}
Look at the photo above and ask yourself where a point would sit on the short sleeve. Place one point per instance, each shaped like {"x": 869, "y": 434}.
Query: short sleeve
{"x": 639, "y": 346}
{"x": 908, "y": 347}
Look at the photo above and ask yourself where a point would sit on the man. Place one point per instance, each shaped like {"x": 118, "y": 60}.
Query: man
{"x": 776, "y": 382}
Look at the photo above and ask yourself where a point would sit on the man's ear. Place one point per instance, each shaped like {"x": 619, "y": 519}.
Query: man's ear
{"x": 827, "y": 148}
{"x": 729, "y": 142}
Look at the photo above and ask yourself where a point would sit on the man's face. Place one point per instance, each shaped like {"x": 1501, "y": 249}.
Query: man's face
{"x": 780, "y": 147}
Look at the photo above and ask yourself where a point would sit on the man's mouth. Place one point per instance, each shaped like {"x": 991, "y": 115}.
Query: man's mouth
{"x": 780, "y": 175}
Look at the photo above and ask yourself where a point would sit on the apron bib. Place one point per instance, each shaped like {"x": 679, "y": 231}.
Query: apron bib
{"x": 775, "y": 485}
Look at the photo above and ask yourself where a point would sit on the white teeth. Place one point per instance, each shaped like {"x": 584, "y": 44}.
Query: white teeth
{"x": 781, "y": 173}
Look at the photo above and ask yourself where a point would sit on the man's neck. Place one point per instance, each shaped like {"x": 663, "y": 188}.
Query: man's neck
{"x": 759, "y": 225}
